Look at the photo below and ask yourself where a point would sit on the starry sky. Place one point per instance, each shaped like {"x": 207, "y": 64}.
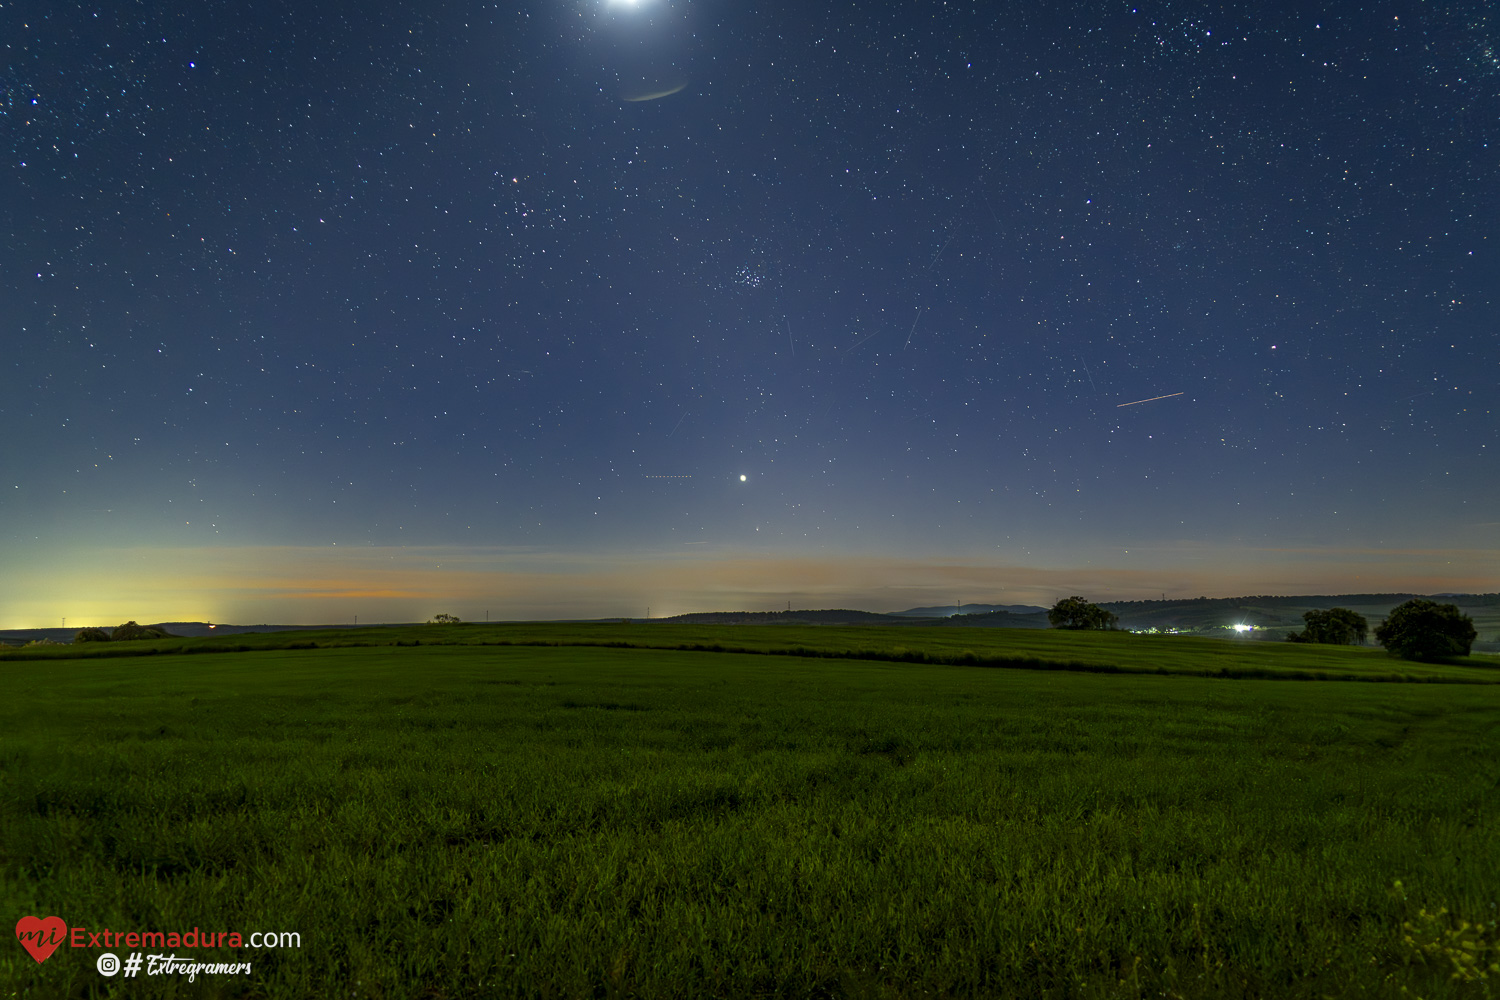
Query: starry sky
{"x": 575, "y": 308}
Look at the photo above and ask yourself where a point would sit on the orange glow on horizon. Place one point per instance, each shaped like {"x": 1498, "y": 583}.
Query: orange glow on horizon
{"x": 288, "y": 585}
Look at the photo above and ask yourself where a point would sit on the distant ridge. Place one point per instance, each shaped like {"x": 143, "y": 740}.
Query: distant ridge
{"x": 204, "y": 628}
{"x": 949, "y": 610}
{"x": 1268, "y": 612}
{"x": 832, "y": 617}
{"x": 993, "y": 619}
{"x": 188, "y": 630}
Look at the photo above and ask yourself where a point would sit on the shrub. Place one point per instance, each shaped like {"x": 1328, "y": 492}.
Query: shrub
{"x": 1425, "y": 630}
{"x": 130, "y": 630}
{"x": 91, "y": 635}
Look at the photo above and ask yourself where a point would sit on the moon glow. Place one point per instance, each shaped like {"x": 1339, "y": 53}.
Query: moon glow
{"x": 653, "y": 95}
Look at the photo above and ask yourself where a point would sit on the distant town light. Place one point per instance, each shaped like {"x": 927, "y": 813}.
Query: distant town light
{"x": 1243, "y": 628}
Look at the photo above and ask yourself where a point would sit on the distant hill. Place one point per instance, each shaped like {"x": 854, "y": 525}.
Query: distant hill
{"x": 949, "y": 610}
{"x": 832, "y": 617}
{"x": 1272, "y": 616}
{"x": 998, "y": 619}
{"x": 993, "y": 619}
{"x": 1277, "y": 612}
{"x": 21, "y": 636}
{"x": 204, "y": 628}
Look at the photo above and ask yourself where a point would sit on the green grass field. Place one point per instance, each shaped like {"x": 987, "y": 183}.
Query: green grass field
{"x": 465, "y": 818}
{"x": 1096, "y": 652}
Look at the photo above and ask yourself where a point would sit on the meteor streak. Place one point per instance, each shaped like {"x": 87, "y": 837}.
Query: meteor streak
{"x": 1151, "y": 400}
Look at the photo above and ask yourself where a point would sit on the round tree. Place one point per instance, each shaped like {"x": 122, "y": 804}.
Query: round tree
{"x": 1339, "y": 626}
{"x": 1075, "y": 612}
{"x": 1425, "y": 630}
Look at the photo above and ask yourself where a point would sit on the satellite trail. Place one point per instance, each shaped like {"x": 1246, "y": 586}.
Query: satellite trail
{"x": 913, "y": 327}
{"x": 1151, "y": 400}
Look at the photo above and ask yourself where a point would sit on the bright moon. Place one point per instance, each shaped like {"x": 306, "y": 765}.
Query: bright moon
{"x": 742, "y": 479}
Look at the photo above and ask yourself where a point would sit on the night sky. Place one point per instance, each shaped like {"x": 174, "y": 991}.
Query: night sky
{"x": 320, "y": 310}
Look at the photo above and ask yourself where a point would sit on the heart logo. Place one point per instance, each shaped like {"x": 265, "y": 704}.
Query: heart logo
{"x": 41, "y": 937}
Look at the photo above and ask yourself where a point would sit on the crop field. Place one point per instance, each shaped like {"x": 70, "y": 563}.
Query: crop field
{"x": 740, "y": 811}
{"x": 1096, "y": 652}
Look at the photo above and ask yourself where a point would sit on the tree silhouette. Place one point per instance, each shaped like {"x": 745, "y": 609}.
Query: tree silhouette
{"x": 1336, "y": 626}
{"x": 1076, "y": 613}
{"x": 1425, "y": 630}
